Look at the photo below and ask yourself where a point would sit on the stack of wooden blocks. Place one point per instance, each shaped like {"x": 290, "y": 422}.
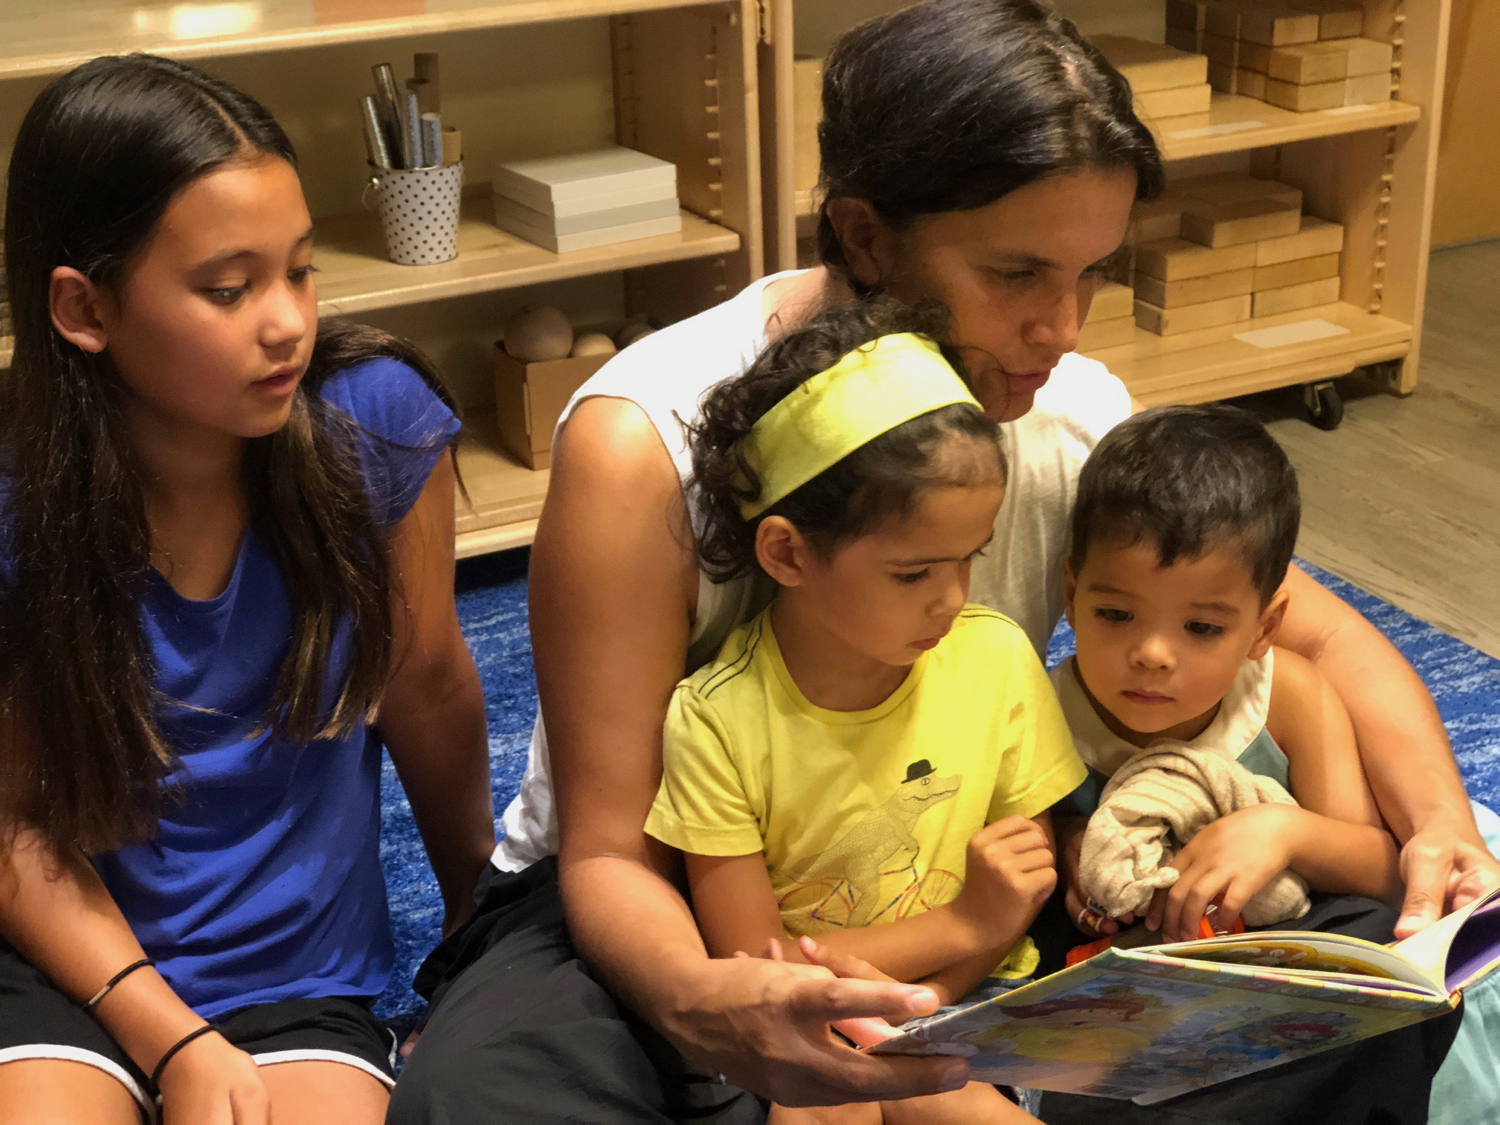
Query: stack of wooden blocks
{"x": 1166, "y": 82}
{"x": 586, "y": 199}
{"x": 1223, "y": 248}
{"x": 1303, "y": 57}
{"x": 1111, "y": 319}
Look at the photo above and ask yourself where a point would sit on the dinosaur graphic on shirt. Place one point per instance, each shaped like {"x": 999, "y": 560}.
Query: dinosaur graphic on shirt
{"x": 858, "y": 856}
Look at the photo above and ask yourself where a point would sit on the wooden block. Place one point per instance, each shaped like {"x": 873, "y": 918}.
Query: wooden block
{"x": 1232, "y": 224}
{"x": 1194, "y": 290}
{"x": 1096, "y": 335}
{"x": 807, "y": 112}
{"x": 1306, "y": 63}
{"x": 1173, "y": 259}
{"x": 1185, "y": 39}
{"x": 1224, "y": 79}
{"x": 1304, "y": 99}
{"x": 1367, "y": 89}
{"x": 530, "y": 397}
{"x": 1190, "y": 318}
{"x": 1221, "y": 49}
{"x": 1161, "y": 218}
{"x": 1119, "y": 267}
{"x": 1337, "y": 19}
{"x": 1187, "y": 14}
{"x": 1250, "y": 84}
{"x": 1304, "y": 296}
{"x": 1111, "y": 302}
{"x": 1298, "y": 271}
{"x": 1314, "y": 238}
{"x": 1366, "y": 56}
{"x": 1235, "y": 187}
{"x": 1278, "y": 27}
{"x": 1174, "y": 103}
{"x": 1254, "y": 56}
{"x": 1151, "y": 66}
{"x": 1223, "y": 19}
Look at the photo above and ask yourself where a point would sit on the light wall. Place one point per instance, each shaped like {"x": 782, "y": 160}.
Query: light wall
{"x": 1466, "y": 202}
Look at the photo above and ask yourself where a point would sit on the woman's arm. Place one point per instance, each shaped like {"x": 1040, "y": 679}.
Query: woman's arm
{"x": 57, "y": 913}
{"x": 432, "y": 716}
{"x": 613, "y": 577}
{"x": 1404, "y": 749}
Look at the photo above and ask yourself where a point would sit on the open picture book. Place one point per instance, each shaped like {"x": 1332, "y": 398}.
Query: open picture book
{"x": 1150, "y": 1023}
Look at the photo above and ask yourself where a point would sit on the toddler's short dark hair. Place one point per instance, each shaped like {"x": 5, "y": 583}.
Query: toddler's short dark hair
{"x": 1192, "y": 479}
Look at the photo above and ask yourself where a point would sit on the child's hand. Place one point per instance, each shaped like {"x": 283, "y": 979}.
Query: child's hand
{"x": 1234, "y": 857}
{"x": 213, "y": 1082}
{"x": 1010, "y": 873}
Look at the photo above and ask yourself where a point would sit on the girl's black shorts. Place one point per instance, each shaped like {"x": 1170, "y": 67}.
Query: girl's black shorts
{"x": 39, "y": 1022}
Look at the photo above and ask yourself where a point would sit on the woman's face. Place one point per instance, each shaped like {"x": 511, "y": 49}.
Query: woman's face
{"x": 1017, "y": 275}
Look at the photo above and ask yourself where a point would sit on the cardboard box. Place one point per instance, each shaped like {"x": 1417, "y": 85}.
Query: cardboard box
{"x": 586, "y": 240}
{"x": 586, "y": 221}
{"x": 553, "y": 183}
{"x": 1172, "y": 259}
{"x": 529, "y": 399}
{"x": 1151, "y": 66}
{"x": 1305, "y": 296}
{"x": 1305, "y": 99}
{"x": 1314, "y": 237}
{"x": 1111, "y": 302}
{"x": 807, "y": 112}
{"x": 1098, "y": 334}
{"x": 1298, "y": 271}
{"x": 1174, "y": 103}
{"x": 1236, "y": 187}
{"x": 1230, "y": 224}
{"x": 1194, "y": 290}
{"x": 1190, "y": 318}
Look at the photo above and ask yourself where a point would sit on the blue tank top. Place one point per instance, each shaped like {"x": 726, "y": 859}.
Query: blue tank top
{"x": 263, "y": 881}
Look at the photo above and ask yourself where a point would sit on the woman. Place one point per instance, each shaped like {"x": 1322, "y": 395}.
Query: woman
{"x": 976, "y": 151}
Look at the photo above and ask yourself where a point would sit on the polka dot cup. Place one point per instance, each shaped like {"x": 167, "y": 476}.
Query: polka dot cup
{"x": 418, "y": 209}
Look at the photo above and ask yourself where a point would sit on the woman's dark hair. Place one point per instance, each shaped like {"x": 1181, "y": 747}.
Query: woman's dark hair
{"x": 952, "y": 104}
{"x": 880, "y": 480}
{"x": 101, "y": 153}
{"x": 1188, "y": 480}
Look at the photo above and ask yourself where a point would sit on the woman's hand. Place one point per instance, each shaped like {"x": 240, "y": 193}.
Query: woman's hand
{"x": 1443, "y": 870}
{"x": 1229, "y": 861}
{"x": 212, "y": 1082}
{"x": 766, "y": 1025}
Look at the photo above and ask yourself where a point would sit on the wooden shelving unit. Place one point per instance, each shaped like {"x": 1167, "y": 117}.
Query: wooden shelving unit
{"x": 685, "y": 84}
{"x": 1368, "y": 167}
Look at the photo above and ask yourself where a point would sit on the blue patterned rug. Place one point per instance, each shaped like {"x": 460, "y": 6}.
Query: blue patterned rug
{"x": 492, "y": 608}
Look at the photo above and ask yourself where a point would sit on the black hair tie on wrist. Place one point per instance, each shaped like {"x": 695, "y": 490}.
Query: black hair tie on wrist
{"x": 93, "y": 1001}
{"x": 171, "y": 1052}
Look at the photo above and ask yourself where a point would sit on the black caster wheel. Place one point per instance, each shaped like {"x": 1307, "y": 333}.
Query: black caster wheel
{"x": 1325, "y": 409}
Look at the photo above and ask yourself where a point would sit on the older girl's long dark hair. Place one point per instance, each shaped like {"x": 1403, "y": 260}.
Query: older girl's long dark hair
{"x": 950, "y": 105}
{"x": 100, "y": 155}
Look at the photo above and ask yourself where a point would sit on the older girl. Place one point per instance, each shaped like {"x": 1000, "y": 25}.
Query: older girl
{"x": 226, "y": 563}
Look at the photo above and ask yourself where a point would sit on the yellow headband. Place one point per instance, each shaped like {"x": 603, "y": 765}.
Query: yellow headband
{"x": 872, "y": 390}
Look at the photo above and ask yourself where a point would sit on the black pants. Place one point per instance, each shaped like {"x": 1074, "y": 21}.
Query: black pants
{"x": 1381, "y": 1081}
{"x": 520, "y": 1032}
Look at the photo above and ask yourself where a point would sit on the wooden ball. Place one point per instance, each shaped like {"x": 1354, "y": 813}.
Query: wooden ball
{"x": 536, "y": 333}
{"x": 593, "y": 343}
{"x": 635, "y": 330}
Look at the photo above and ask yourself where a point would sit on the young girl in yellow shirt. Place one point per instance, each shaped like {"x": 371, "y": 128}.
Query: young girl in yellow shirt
{"x": 870, "y": 759}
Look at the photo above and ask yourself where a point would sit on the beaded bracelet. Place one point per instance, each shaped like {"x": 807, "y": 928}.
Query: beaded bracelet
{"x": 93, "y": 1001}
{"x": 161, "y": 1063}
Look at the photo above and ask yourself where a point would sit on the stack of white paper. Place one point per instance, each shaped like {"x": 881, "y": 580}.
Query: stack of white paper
{"x": 587, "y": 199}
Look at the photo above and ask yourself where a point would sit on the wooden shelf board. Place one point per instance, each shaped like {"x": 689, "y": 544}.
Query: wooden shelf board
{"x": 354, "y": 274}
{"x": 1211, "y": 364}
{"x": 503, "y": 538}
{"x": 41, "y": 37}
{"x": 502, "y": 491}
{"x": 1234, "y": 124}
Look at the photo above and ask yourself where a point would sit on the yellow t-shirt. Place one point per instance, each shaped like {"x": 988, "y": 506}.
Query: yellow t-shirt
{"x": 863, "y": 816}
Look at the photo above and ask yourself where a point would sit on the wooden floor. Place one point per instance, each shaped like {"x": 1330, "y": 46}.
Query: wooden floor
{"x": 1404, "y": 498}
